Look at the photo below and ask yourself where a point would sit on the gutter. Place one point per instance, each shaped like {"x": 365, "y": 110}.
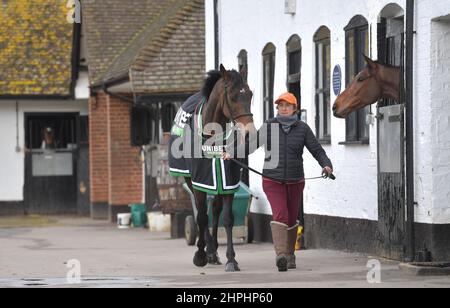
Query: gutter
{"x": 118, "y": 96}
{"x": 35, "y": 97}
{"x": 100, "y": 86}
{"x": 104, "y": 85}
{"x": 410, "y": 179}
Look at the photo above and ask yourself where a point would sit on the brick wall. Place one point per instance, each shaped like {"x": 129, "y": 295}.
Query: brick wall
{"x": 116, "y": 167}
{"x": 98, "y": 150}
{"x": 124, "y": 161}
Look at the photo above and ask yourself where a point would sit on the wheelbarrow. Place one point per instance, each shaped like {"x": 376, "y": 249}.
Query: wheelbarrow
{"x": 242, "y": 230}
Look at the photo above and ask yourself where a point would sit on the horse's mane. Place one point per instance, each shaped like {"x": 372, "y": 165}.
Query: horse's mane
{"x": 386, "y": 65}
{"x": 214, "y": 76}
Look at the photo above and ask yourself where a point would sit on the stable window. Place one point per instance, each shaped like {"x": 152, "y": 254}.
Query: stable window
{"x": 323, "y": 81}
{"x": 51, "y": 131}
{"x": 243, "y": 63}
{"x": 357, "y": 45}
{"x": 168, "y": 113}
{"x": 391, "y": 46}
{"x": 294, "y": 65}
{"x": 268, "y": 80}
{"x": 142, "y": 126}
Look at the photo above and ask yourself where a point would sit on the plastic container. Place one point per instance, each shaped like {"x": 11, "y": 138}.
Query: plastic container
{"x": 139, "y": 215}
{"x": 124, "y": 221}
{"x": 158, "y": 222}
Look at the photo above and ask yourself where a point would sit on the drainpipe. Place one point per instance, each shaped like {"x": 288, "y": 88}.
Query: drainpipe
{"x": 410, "y": 180}
{"x": 216, "y": 34}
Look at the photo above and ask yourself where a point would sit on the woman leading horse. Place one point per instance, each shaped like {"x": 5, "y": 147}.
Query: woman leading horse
{"x": 284, "y": 139}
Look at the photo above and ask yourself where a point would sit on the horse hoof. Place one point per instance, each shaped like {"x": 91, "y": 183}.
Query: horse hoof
{"x": 232, "y": 267}
{"x": 200, "y": 259}
{"x": 214, "y": 259}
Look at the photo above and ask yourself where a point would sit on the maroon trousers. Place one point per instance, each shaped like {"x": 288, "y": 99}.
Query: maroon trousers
{"x": 284, "y": 200}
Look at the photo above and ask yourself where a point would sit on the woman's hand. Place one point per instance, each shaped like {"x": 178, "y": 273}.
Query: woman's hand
{"x": 328, "y": 171}
{"x": 226, "y": 156}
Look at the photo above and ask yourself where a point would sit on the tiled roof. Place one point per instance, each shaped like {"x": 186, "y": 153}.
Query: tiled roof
{"x": 148, "y": 37}
{"x": 111, "y": 27}
{"x": 174, "y": 60}
{"x": 35, "y": 48}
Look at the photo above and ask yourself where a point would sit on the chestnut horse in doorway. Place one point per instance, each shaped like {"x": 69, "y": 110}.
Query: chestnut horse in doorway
{"x": 375, "y": 82}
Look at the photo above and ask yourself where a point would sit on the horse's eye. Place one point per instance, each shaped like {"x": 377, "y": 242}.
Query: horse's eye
{"x": 363, "y": 78}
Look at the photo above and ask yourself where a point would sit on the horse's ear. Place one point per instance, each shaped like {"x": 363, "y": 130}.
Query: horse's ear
{"x": 244, "y": 72}
{"x": 223, "y": 71}
{"x": 372, "y": 64}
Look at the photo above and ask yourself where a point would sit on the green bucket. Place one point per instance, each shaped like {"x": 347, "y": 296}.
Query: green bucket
{"x": 139, "y": 215}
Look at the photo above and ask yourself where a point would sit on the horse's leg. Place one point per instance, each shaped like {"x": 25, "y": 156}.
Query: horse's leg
{"x": 200, "y": 258}
{"x": 189, "y": 184}
{"x": 228, "y": 219}
{"x": 211, "y": 246}
{"x": 212, "y": 242}
{"x": 216, "y": 212}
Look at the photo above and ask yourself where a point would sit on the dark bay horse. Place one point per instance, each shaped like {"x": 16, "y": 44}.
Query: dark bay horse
{"x": 375, "y": 82}
{"x": 228, "y": 99}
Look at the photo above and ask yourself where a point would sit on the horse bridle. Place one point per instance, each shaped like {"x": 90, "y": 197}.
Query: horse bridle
{"x": 233, "y": 118}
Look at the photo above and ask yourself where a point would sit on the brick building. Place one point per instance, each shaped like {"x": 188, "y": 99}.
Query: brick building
{"x": 145, "y": 58}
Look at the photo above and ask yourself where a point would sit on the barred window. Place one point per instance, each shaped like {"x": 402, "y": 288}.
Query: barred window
{"x": 294, "y": 65}
{"x": 268, "y": 79}
{"x": 243, "y": 62}
{"x": 323, "y": 81}
{"x": 59, "y": 128}
{"x": 357, "y": 44}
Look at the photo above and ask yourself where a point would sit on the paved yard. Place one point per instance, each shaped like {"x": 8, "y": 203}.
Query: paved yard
{"x": 37, "y": 255}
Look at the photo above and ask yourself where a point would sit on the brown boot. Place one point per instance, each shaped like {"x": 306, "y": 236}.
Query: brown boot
{"x": 291, "y": 241}
{"x": 279, "y": 235}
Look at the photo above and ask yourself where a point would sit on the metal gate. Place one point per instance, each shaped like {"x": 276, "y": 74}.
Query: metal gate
{"x": 391, "y": 150}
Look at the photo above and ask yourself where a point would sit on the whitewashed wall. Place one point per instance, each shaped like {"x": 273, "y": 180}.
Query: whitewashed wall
{"x": 432, "y": 134}
{"x": 12, "y": 162}
{"x": 250, "y": 25}
{"x": 440, "y": 124}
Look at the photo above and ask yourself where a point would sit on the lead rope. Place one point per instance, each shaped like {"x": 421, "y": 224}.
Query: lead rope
{"x": 324, "y": 175}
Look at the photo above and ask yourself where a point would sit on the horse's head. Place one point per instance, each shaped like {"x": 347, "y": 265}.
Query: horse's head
{"x": 364, "y": 90}
{"x": 49, "y": 136}
{"x": 235, "y": 98}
